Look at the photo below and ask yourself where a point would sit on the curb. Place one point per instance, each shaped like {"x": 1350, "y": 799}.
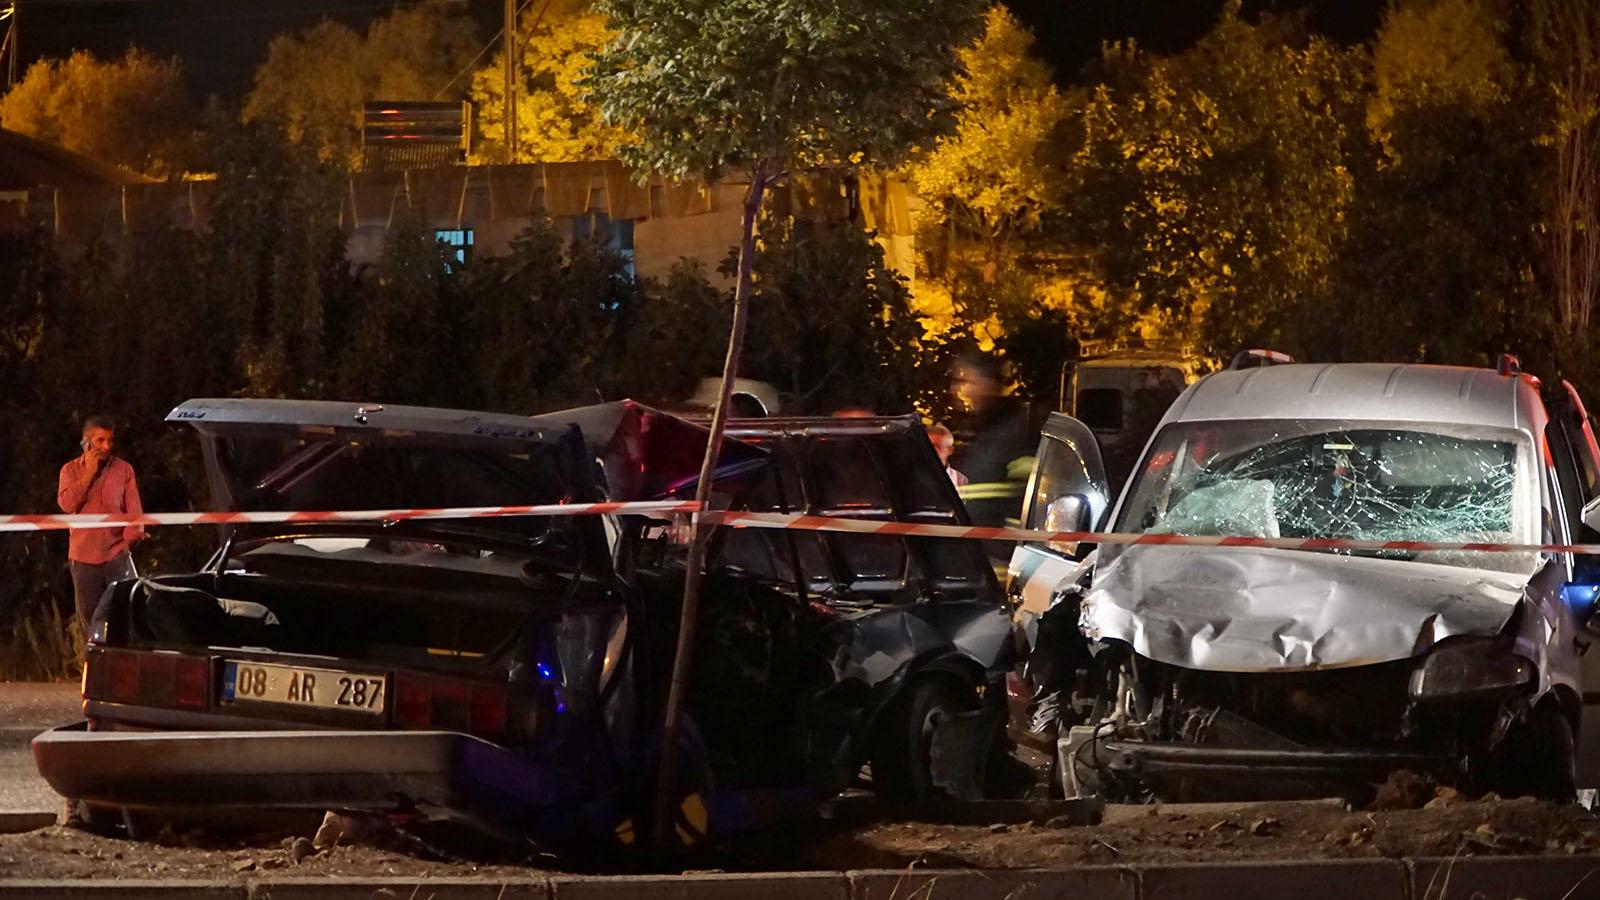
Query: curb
{"x": 23, "y": 732}
{"x": 1528, "y": 877}
{"x": 15, "y": 822}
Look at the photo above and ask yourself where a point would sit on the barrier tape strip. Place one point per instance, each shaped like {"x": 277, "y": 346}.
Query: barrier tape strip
{"x": 80, "y": 522}
{"x": 14, "y": 523}
{"x": 976, "y": 532}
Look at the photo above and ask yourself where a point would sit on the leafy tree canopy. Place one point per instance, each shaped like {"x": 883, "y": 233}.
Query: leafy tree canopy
{"x": 1442, "y": 238}
{"x": 1436, "y": 53}
{"x": 313, "y": 83}
{"x": 1214, "y": 183}
{"x": 994, "y": 174}
{"x": 776, "y": 85}
{"x": 556, "y": 122}
{"x": 132, "y": 112}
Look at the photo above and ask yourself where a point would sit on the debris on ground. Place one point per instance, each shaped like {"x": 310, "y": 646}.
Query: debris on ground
{"x": 1263, "y": 831}
{"x": 299, "y": 848}
{"x": 61, "y": 852}
{"x": 1405, "y": 789}
{"x": 1155, "y": 834}
{"x": 1443, "y": 797}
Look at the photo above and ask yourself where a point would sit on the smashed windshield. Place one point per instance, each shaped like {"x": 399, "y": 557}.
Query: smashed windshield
{"x": 1321, "y": 479}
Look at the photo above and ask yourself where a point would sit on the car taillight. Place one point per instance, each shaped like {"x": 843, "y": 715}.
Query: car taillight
{"x": 447, "y": 704}
{"x": 411, "y": 702}
{"x": 488, "y": 709}
{"x": 122, "y": 676}
{"x": 448, "y": 708}
{"x": 157, "y": 675}
{"x": 170, "y": 680}
{"x": 191, "y": 682}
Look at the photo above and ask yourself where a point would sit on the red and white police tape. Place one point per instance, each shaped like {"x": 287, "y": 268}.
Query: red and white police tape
{"x": 64, "y": 522}
{"x": 975, "y": 532}
{"x": 14, "y": 523}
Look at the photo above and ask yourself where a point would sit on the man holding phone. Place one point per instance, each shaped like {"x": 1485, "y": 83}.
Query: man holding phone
{"x": 97, "y": 482}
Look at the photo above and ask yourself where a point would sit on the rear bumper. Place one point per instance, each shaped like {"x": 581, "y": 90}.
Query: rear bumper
{"x": 441, "y": 775}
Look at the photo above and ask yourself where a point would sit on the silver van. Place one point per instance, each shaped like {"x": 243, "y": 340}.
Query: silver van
{"x": 1177, "y": 672}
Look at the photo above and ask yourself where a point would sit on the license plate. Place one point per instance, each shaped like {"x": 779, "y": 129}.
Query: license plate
{"x": 253, "y": 682}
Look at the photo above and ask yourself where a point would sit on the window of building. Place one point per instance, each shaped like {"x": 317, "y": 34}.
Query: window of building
{"x": 459, "y": 244}
{"x": 618, "y": 234}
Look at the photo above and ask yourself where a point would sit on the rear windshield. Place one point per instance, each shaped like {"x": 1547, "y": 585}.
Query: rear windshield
{"x": 1100, "y": 408}
{"x": 273, "y": 471}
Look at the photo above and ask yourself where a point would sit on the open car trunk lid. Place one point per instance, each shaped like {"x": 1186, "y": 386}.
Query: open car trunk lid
{"x": 300, "y": 455}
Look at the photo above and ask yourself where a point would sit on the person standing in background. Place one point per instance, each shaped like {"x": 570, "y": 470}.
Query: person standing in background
{"x": 97, "y": 482}
{"x": 944, "y": 444}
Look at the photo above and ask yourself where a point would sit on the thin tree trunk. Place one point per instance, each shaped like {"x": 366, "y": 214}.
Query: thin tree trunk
{"x": 688, "y": 620}
{"x": 1568, "y": 35}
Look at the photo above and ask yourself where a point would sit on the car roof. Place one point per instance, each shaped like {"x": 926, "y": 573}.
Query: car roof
{"x": 1136, "y": 359}
{"x": 811, "y": 426}
{"x": 1366, "y": 391}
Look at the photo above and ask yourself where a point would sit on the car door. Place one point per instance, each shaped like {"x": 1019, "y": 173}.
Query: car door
{"x": 1067, "y": 491}
{"x": 1576, "y": 460}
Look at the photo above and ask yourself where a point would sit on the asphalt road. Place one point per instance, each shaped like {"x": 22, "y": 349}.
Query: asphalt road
{"x": 26, "y": 710}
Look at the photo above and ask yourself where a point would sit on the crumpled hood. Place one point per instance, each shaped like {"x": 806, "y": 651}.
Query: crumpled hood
{"x": 1247, "y": 610}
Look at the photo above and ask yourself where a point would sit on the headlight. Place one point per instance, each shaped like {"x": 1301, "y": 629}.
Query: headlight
{"x": 1469, "y": 667}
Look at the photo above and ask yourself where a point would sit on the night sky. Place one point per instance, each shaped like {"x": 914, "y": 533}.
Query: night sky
{"x": 221, "y": 41}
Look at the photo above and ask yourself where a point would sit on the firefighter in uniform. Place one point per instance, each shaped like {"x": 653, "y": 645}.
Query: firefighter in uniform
{"x": 996, "y": 454}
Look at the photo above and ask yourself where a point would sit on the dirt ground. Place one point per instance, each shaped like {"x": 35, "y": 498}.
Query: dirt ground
{"x": 1155, "y": 834}
{"x": 66, "y": 853}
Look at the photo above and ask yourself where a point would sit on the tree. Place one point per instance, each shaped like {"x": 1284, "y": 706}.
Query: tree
{"x": 1442, "y": 241}
{"x": 556, "y": 121}
{"x": 274, "y": 265}
{"x": 995, "y": 190}
{"x": 668, "y": 351}
{"x": 1566, "y": 41}
{"x": 830, "y": 322}
{"x": 1436, "y": 53}
{"x": 994, "y": 175}
{"x": 1213, "y": 184}
{"x": 401, "y": 344}
{"x": 312, "y": 84}
{"x": 703, "y": 87}
{"x": 548, "y": 324}
{"x": 132, "y": 112}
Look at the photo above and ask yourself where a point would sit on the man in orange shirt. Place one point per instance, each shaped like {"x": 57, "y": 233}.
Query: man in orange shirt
{"x": 97, "y": 482}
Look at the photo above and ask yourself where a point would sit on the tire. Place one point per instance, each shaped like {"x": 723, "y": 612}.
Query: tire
{"x": 902, "y": 770}
{"x": 1536, "y": 758}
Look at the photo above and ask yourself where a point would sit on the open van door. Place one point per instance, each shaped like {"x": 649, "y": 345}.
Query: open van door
{"x": 1067, "y": 491}
{"x": 1575, "y": 456}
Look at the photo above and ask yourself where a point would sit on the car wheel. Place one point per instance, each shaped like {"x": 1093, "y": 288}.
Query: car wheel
{"x": 1536, "y": 758}
{"x": 902, "y": 767}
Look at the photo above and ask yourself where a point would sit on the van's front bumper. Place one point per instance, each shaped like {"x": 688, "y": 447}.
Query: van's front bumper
{"x": 443, "y": 775}
{"x": 1277, "y": 771}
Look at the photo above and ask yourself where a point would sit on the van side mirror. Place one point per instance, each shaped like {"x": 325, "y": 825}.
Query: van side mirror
{"x": 1591, "y": 514}
{"x": 1068, "y": 512}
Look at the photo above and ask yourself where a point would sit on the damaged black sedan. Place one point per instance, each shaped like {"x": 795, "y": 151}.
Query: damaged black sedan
{"x": 509, "y": 674}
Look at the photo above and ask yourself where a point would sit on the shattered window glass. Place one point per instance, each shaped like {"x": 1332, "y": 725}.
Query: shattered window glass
{"x": 1361, "y": 481}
